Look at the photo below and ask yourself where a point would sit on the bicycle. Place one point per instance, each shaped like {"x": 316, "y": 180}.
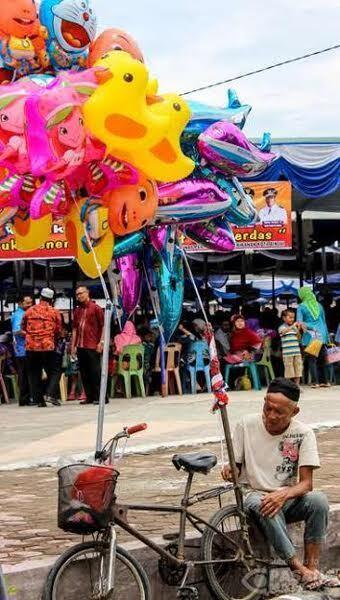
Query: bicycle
{"x": 235, "y": 554}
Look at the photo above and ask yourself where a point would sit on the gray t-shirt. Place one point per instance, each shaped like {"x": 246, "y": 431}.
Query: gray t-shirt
{"x": 270, "y": 461}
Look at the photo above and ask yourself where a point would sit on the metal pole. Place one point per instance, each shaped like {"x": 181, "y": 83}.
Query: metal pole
{"x": 300, "y": 248}
{"x": 324, "y": 264}
{"x": 231, "y": 456}
{"x": 205, "y": 280}
{"x": 273, "y": 289}
{"x": 3, "y": 591}
{"x": 104, "y": 376}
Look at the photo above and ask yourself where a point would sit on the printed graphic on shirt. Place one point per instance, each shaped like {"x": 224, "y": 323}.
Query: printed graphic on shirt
{"x": 289, "y": 449}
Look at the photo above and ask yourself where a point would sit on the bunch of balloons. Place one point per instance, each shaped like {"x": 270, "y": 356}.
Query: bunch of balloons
{"x": 86, "y": 137}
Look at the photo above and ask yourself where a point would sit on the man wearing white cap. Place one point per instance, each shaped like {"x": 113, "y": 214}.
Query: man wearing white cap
{"x": 42, "y": 325}
{"x": 272, "y": 215}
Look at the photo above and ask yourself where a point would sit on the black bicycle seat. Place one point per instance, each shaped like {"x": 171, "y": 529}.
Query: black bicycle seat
{"x": 198, "y": 462}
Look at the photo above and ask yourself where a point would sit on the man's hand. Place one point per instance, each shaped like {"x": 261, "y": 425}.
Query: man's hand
{"x": 273, "y": 502}
{"x": 100, "y": 347}
{"x": 226, "y": 473}
{"x": 73, "y": 352}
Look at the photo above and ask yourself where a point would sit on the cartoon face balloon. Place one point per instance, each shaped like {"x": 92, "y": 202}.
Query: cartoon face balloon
{"x": 110, "y": 40}
{"x": 71, "y": 26}
{"x": 132, "y": 207}
{"x": 17, "y": 18}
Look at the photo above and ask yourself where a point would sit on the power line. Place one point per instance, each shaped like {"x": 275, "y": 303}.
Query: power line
{"x": 274, "y": 66}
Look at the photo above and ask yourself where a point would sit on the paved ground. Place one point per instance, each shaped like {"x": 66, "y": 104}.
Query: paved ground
{"x": 35, "y": 436}
{"x": 28, "y": 499}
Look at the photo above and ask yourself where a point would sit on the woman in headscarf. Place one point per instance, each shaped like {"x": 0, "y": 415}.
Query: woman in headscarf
{"x": 311, "y": 315}
{"x": 243, "y": 341}
{"x": 127, "y": 337}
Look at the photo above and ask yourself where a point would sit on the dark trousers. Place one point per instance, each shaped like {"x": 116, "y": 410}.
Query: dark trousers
{"x": 90, "y": 371}
{"x": 37, "y": 361}
{"x": 23, "y": 380}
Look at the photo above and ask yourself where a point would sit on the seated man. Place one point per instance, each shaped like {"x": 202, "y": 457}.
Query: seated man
{"x": 276, "y": 456}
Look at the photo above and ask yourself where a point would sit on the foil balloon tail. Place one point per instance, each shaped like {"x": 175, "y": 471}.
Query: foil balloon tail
{"x": 203, "y": 115}
{"x": 226, "y": 147}
{"x": 163, "y": 240}
{"x": 170, "y": 287}
{"x": 128, "y": 244}
{"x": 131, "y": 283}
{"x": 216, "y": 235}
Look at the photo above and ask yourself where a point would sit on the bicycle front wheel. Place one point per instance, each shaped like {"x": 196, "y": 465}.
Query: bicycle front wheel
{"x": 82, "y": 573}
{"x": 244, "y": 577}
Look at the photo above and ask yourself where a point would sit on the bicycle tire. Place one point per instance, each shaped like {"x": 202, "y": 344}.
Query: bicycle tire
{"x": 51, "y": 591}
{"x": 242, "y": 580}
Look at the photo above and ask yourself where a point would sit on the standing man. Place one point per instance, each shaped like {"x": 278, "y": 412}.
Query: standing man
{"x": 19, "y": 344}
{"x": 87, "y": 342}
{"x": 42, "y": 327}
{"x": 272, "y": 215}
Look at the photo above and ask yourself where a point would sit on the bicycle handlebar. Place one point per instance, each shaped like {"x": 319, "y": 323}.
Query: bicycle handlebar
{"x": 136, "y": 428}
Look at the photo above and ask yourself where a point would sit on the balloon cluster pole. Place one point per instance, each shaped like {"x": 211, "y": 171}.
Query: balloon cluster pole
{"x": 231, "y": 455}
{"x": 104, "y": 375}
{"x": 3, "y": 591}
{"x": 221, "y": 408}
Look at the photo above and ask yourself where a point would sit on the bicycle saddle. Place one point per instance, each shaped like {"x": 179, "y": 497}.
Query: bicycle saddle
{"x": 198, "y": 462}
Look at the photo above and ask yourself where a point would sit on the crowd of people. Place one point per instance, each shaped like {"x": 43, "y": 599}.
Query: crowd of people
{"x": 39, "y": 346}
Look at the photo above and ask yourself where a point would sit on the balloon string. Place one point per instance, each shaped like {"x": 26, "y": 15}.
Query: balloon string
{"x": 194, "y": 284}
{"x": 95, "y": 258}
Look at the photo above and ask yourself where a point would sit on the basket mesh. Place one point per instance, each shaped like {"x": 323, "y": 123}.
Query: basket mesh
{"x": 86, "y": 494}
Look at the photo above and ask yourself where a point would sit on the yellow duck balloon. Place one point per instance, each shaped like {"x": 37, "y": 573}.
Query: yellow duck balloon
{"x": 167, "y": 157}
{"x": 117, "y": 112}
{"x": 134, "y": 123}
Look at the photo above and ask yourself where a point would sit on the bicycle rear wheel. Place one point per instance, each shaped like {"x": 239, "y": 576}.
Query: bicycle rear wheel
{"x": 244, "y": 579}
{"x": 81, "y": 574}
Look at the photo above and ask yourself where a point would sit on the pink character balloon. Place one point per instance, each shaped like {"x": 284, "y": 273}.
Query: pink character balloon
{"x": 17, "y": 187}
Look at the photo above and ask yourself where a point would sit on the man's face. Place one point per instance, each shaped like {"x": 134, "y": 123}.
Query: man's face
{"x": 270, "y": 200}
{"x": 225, "y": 326}
{"x": 82, "y": 295}
{"x": 278, "y": 412}
{"x": 27, "y": 303}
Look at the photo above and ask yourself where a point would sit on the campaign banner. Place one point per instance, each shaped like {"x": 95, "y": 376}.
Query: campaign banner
{"x": 55, "y": 246}
{"x": 272, "y": 228}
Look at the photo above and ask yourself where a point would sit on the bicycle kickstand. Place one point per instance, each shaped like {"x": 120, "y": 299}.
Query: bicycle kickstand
{"x": 187, "y": 592}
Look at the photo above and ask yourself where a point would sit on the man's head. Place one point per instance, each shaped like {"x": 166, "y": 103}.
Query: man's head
{"x": 25, "y": 302}
{"x": 270, "y": 196}
{"x": 225, "y": 326}
{"x": 82, "y": 294}
{"x": 280, "y": 405}
{"x": 47, "y": 295}
{"x": 288, "y": 317}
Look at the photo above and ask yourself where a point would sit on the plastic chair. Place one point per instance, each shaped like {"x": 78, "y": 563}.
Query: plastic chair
{"x": 13, "y": 380}
{"x": 172, "y": 356}
{"x": 2, "y": 381}
{"x": 198, "y": 366}
{"x": 134, "y": 356}
{"x": 250, "y": 366}
{"x": 266, "y": 362}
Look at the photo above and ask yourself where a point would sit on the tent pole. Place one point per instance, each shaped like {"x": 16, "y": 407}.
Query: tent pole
{"x": 273, "y": 289}
{"x": 300, "y": 248}
{"x": 324, "y": 264}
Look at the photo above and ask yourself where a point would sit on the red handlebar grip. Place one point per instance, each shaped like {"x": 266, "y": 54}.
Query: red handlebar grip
{"x": 137, "y": 428}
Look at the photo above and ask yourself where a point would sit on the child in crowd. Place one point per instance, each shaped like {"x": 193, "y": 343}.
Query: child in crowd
{"x": 289, "y": 333}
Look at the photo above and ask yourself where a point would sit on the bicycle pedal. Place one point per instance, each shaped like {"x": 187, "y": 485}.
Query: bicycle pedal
{"x": 188, "y": 593}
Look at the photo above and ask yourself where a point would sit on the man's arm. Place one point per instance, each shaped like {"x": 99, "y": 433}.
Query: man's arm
{"x": 100, "y": 319}
{"x": 274, "y": 501}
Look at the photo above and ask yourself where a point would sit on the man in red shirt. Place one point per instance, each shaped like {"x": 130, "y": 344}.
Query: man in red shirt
{"x": 42, "y": 326}
{"x": 88, "y": 323}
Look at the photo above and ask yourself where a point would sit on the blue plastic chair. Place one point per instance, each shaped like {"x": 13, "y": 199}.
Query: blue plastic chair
{"x": 198, "y": 348}
{"x": 250, "y": 366}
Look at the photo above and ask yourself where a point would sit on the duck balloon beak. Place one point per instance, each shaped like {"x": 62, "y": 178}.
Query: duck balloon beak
{"x": 103, "y": 75}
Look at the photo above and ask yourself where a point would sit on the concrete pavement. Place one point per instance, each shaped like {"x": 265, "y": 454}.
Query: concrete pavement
{"x": 33, "y": 436}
